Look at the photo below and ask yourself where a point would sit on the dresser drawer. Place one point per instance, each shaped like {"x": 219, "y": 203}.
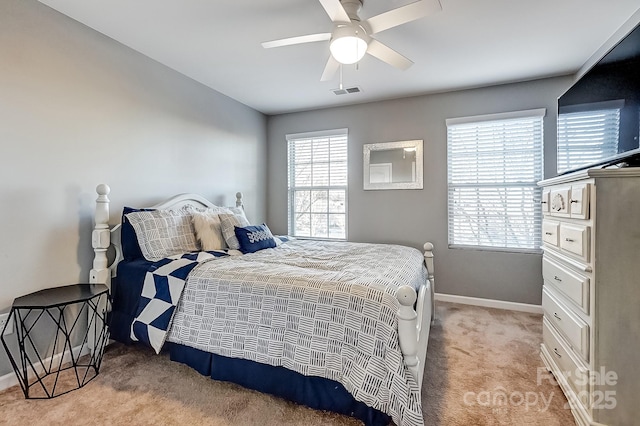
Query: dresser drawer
{"x": 569, "y": 324}
{"x": 579, "y": 201}
{"x": 551, "y": 232}
{"x": 569, "y": 283}
{"x": 545, "y": 200}
{"x": 575, "y": 239}
{"x": 568, "y": 365}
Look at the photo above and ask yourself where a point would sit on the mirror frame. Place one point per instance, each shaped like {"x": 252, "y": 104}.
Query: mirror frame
{"x": 384, "y": 146}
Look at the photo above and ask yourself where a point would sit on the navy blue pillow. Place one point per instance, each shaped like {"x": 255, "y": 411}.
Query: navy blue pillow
{"x": 255, "y": 237}
{"x": 130, "y": 247}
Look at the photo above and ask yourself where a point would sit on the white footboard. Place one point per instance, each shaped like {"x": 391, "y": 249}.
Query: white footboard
{"x": 414, "y": 323}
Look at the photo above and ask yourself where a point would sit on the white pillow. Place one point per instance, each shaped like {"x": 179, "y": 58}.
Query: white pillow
{"x": 208, "y": 228}
{"x": 163, "y": 233}
{"x": 228, "y": 223}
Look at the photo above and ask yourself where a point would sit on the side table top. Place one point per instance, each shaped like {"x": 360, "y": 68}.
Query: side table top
{"x": 59, "y": 296}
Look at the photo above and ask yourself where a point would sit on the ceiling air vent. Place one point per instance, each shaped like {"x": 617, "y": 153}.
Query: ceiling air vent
{"x": 348, "y": 90}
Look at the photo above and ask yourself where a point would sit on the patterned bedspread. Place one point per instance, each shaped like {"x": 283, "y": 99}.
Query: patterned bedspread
{"x": 318, "y": 308}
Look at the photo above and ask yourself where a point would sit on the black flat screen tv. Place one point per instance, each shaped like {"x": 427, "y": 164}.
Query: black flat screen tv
{"x": 599, "y": 115}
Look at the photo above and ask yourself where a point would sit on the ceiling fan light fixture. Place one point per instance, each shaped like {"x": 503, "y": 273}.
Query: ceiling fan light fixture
{"x": 348, "y": 45}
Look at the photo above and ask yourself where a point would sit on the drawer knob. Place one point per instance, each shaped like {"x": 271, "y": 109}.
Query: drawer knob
{"x": 543, "y": 202}
{"x": 574, "y": 201}
{"x": 569, "y": 240}
{"x": 548, "y": 233}
{"x": 557, "y": 278}
{"x": 555, "y": 314}
{"x": 555, "y": 351}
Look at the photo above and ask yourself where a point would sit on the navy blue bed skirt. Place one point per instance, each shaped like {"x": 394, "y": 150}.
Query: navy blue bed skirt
{"x": 314, "y": 392}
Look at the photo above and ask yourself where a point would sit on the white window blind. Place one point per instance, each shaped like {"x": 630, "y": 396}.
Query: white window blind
{"x": 318, "y": 184}
{"x": 587, "y": 136}
{"x": 494, "y": 163}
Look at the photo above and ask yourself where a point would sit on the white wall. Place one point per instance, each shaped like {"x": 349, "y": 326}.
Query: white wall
{"x": 78, "y": 109}
{"x": 412, "y": 217}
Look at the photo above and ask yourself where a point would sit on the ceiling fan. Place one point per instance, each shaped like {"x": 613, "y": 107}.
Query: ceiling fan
{"x": 351, "y": 37}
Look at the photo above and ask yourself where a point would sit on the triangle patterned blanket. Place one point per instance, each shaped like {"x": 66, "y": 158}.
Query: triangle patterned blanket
{"x": 161, "y": 291}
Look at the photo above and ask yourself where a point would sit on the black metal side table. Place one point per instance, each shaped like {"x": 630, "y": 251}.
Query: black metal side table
{"x": 77, "y": 317}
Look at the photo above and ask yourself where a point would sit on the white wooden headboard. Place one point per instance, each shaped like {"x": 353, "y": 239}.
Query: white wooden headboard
{"x": 103, "y": 237}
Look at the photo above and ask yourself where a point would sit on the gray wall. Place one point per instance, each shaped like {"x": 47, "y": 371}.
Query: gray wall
{"x": 412, "y": 217}
{"x": 78, "y": 109}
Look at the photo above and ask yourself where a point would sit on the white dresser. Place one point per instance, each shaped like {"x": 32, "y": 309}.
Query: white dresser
{"x": 591, "y": 292}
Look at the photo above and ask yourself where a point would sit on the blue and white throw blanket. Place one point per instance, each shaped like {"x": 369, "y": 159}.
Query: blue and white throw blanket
{"x": 161, "y": 291}
{"x": 319, "y": 308}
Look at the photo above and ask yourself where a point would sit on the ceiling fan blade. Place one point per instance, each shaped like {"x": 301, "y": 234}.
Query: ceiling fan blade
{"x": 402, "y": 15}
{"x": 330, "y": 69}
{"x": 297, "y": 40}
{"x": 335, "y": 10}
{"x": 388, "y": 55}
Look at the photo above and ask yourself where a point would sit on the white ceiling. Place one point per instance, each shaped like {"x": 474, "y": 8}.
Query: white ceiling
{"x": 469, "y": 43}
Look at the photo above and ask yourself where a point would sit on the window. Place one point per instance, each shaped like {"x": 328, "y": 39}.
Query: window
{"x": 494, "y": 164}
{"x": 584, "y": 137}
{"x": 318, "y": 184}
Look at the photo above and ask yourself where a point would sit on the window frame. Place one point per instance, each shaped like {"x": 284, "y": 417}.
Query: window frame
{"x": 291, "y": 189}
{"x": 535, "y": 238}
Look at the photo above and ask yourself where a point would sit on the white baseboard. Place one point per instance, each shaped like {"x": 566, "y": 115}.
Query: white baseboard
{"x": 490, "y": 303}
{"x": 10, "y": 379}
{"x": 7, "y": 381}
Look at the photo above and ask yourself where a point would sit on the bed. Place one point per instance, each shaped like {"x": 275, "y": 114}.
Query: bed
{"x": 332, "y": 325}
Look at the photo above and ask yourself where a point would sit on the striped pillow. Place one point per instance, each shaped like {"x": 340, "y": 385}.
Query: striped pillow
{"x": 163, "y": 233}
{"x": 228, "y": 223}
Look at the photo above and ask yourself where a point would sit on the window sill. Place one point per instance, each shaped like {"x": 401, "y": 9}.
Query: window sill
{"x": 495, "y": 249}
{"x": 318, "y": 238}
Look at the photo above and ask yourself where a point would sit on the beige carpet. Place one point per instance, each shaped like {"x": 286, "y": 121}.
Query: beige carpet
{"x": 482, "y": 370}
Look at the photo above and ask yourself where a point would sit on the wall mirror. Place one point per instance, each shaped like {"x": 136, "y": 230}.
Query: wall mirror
{"x": 393, "y": 165}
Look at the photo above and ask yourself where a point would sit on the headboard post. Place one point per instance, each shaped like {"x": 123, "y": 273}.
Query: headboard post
{"x": 239, "y": 199}
{"x": 101, "y": 238}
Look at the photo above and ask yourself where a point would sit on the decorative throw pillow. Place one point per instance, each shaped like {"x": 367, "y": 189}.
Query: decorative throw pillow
{"x": 228, "y": 222}
{"x": 208, "y": 228}
{"x": 254, "y": 238}
{"x": 163, "y": 233}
